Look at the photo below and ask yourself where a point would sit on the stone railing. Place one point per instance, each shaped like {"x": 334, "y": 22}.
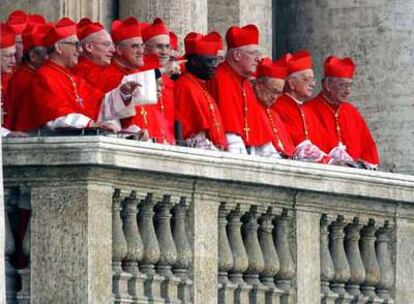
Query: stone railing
{"x": 117, "y": 221}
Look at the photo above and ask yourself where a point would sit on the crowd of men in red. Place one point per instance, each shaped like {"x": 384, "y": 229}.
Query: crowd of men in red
{"x": 67, "y": 75}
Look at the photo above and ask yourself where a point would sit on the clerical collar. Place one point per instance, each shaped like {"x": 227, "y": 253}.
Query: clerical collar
{"x": 295, "y": 99}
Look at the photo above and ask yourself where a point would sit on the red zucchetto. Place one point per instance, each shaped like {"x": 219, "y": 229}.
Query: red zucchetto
{"x": 240, "y": 36}
{"x": 156, "y": 28}
{"x": 272, "y": 69}
{"x": 65, "y": 27}
{"x": 341, "y": 68}
{"x": 299, "y": 61}
{"x": 86, "y": 27}
{"x": 7, "y": 36}
{"x": 125, "y": 29}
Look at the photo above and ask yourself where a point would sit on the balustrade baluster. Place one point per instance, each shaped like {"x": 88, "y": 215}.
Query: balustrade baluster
{"x": 369, "y": 258}
{"x": 386, "y": 282}
{"x": 151, "y": 250}
{"x": 23, "y": 296}
{"x": 135, "y": 249}
{"x": 327, "y": 267}
{"x": 119, "y": 252}
{"x": 240, "y": 259}
{"x": 184, "y": 253}
{"x": 271, "y": 260}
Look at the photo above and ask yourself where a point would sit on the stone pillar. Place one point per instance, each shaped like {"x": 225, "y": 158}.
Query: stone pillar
{"x": 354, "y": 259}
{"x": 327, "y": 267}
{"x": 184, "y": 255}
{"x": 205, "y": 247}
{"x": 308, "y": 266}
{"x": 225, "y": 262}
{"x": 181, "y": 16}
{"x": 287, "y": 267}
{"x": 135, "y": 249}
{"x": 119, "y": 253}
{"x": 71, "y": 243}
{"x": 223, "y": 14}
{"x": 2, "y": 231}
{"x": 11, "y": 274}
{"x": 341, "y": 265}
{"x": 271, "y": 260}
{"x": 369, "y": 258}
{"x": 386, "y": 283}
{"x": 254, "y": 255}
{"x": 23, "y": 296}
{"x": 369, "y": 31}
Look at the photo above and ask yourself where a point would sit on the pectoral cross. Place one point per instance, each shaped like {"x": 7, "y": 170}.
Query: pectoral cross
{"x": 144, "y": 115}
{"x": 246, "y": 131}
{"x": 280, "y": 144}
{"x": 2, "y": 114}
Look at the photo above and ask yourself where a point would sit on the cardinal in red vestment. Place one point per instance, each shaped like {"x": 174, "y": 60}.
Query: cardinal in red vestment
{"x": 350, "y": 138}
{"x": 195, "y": 108}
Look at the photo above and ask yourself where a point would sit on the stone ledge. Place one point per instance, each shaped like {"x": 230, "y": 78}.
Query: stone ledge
{"x": 125, "y": 154}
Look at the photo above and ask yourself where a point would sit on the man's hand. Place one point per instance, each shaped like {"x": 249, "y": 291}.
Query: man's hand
{"x": 106, "y": 125}
{"x": 128, "y": 90}
{"x": 172, "y": 67}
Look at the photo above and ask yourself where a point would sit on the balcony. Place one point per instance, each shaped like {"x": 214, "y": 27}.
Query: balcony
{"x": 118, "y": 221}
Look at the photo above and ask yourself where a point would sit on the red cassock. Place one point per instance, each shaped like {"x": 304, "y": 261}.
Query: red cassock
{"x": 148, "y": 116}
{"x": 166, "y": 102}
{"x": 281, "y": 141}
{"x": 91, "y": 72}
{"x": 19, "y": 85}
{"x": 349, "y": 128}
{"x": 197, "y": 111}
{"x": 5, "y": 78}
{"x": 300, "y": 122}
{"x": 241, "y": 113}
{"x": 56, "y": 92}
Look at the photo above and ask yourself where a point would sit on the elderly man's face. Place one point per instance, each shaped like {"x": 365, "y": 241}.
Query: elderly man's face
{"x": 248, "y": 57}
{"x": 131, "y": 51}
{"x": 302, "y": 85}
{"x": 69, "y": 50}
{"x": 160, "y": 46}
{"x": 8, "y": 59}
{"x": 100, "y": 48}
{"x": 268, "y": 90}
{"x": 337, "y": 89}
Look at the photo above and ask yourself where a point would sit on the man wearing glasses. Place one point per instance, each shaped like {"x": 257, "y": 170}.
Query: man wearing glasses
{"x": 243, "y": 117}
{"x": 351, "y": 140}
{"x": 61, "y": 99}
{"x": 97, "y": 52}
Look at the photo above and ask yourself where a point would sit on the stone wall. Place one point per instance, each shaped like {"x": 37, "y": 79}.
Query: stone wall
{"x": 378, "y": 35}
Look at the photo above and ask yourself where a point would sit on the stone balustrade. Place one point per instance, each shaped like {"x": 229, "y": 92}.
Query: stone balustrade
{"x": 118, "y": 221}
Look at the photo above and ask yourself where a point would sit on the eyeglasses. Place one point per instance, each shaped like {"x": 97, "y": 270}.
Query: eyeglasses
{"x": 106, "y": 44}
{"x": 253, "y": 54}
{"x": 76, "y": 44}
{"x": 8, "y": 56}
{"x": 161, "y": 46}
{"x": 273, "y": 91}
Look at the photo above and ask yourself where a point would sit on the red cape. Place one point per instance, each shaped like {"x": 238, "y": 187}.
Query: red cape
{"x": 354, "y": 132}
{"x": 148, "y": 116}
{"x": 91, "y": 72}
{"x": 53, "y": 95}
{"x": 282, "y": 141}
{"x": 297, "y": 119}
{"x": 226, "y": 89}
{"x": 197, "y": 111}
{"x": 19, "y": 85}
{"x": 166, "y": 102}
{"x": 5, "y": 78}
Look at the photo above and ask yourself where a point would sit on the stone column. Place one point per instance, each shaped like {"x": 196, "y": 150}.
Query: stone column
{"x": 11, "y": 272}
{"x": 254, "y": 255}
{"x": 168, "y": 252}
{"x": 387, "y": 280}
{"x": 2, "y": 229}
{"x": 369, "y": 31}
{"x": 151, "y": 250}
{"x": 23, "y": 296}
{"x": 341, "y": 265}
{"x": 308, "y": 256}
{"x": 355, "y": 261}
{"x": 369, "y": 258}
{"x": 135, "y": 249}
{"x": 225, "y": 261}
{"x": 327, "y": 267}
{"x": 184, "y": 255}
{"x": 119, "y": 253}
{"x": 71, "y": 243}
{"x": 223, "y": 14}
{"x": 271, "y": 260}
{"x": 240, "y": 258}
{"x": 287, "y": 267}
